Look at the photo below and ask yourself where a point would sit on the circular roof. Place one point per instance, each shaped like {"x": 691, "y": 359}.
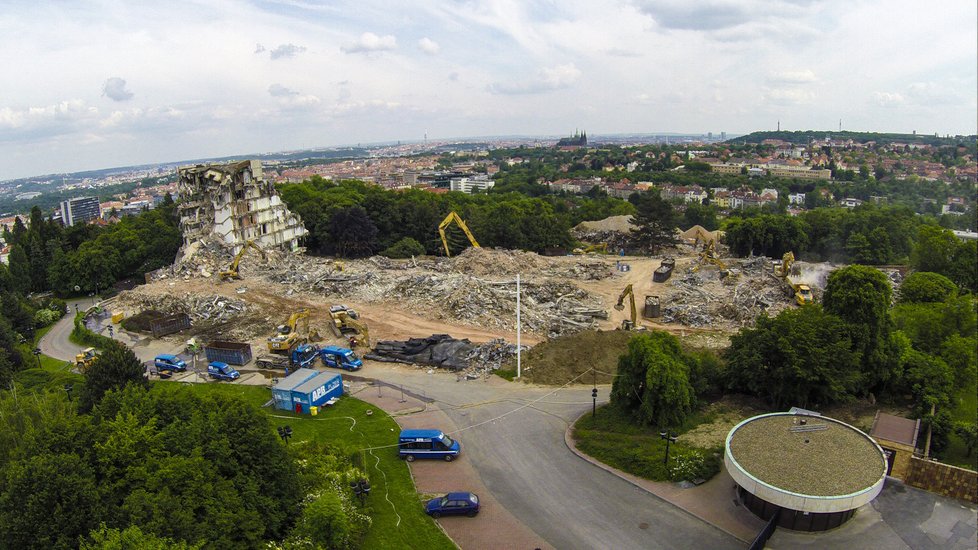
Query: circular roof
{"x": 805, "y": 462}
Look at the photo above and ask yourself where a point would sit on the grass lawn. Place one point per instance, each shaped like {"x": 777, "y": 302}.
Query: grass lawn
{"x": 394, "y": 504}
{"x": 617, "y": 440}
{"x": 966, "y": 410}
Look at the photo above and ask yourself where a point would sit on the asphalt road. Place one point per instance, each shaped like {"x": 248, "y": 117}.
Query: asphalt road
{"x": 55, "y": 343}
{"x": 517, "y": 446}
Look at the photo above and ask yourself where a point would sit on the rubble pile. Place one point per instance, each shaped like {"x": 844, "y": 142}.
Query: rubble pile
{"x": 438, "y": 350}
{"x": 616, "y": 231}
{"x": 550, "y": 307}
{"x": 700, "y": 299}
{"x": 499, "y": 263}
{"x": 492, "y": 354}
{"x": 199, "y": 307}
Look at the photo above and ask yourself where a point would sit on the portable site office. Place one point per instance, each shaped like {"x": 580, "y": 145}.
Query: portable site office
{"x": 282, "y": 392}
{"x": 317, "y": 391}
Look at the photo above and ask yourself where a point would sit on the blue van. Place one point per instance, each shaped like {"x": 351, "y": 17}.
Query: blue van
{"x": 427, "y": 444}
{"x": 342, "y": 358}
{"x": 169, "y": 362}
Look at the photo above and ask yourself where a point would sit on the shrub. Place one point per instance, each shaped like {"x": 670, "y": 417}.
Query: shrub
{"x": 404, "y": 248}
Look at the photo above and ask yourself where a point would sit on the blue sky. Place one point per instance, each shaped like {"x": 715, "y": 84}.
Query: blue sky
{"x": 110, "y": 83}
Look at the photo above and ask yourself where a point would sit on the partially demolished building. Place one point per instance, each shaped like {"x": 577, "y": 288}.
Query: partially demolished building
{"x": 232, "y": 203}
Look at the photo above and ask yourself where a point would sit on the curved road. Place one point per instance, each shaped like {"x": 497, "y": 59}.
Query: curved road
{"x": 514, "y": 437}
{"x": 516, "y": 443}
{"x": 55, "y": 343}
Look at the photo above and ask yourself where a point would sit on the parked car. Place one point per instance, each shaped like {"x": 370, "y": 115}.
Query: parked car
{"x": 169, "y": 362}
{"x": 453, "y": 504}
{"x": 222, "y": 371}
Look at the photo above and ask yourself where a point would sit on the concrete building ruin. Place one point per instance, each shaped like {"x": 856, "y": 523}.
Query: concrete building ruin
{"x": 232, "y": 203}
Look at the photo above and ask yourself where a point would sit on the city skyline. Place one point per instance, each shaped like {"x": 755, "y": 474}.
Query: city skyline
{"x": 112, "y": 84}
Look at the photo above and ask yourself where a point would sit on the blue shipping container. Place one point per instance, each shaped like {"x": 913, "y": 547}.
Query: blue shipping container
{"x": 282, "y": 392}
{"x": 317, "y": 391}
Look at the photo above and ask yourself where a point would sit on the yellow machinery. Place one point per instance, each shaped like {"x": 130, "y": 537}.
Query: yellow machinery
{"x": 600, "y": 248}
{"x": 709, "y": 256}
{"x": 232, "y": 270}
{"x": 801, "y": 292}
{"x": 703, "y": 237}
{"x": 346, "y": 321}
{"x": 85, "y": 359}
{"x": 783, "y": 269}
{"x": 288, "y": 335}
{"x": 446, "y": 222}
{"x": 632, "y": 322}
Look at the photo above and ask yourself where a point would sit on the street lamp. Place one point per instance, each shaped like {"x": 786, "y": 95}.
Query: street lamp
{"x": 285, "y": 432}
{"x": 37, "y": 355}
{"x": 669, "y": 439}
{"x": 594, "y": 392}
{"x": 68, "y": 388}
{"x": 361, "y": 489}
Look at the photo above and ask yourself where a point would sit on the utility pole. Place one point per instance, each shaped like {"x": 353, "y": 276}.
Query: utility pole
{"x": 518, "y": 328}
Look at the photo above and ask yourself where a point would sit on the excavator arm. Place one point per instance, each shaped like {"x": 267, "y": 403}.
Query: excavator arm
{"x": 232, "y": 270}
{"x": 630, "y": 294}
{"x": 452, "y": 216}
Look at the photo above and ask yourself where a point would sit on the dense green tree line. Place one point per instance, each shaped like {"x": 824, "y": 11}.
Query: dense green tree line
{"x": 867, "y": 235}
{"x": 46, "y": 256}
{"x": 855, "y": 344}
{"x": 351, "y": 218}
{"x": 129, "y": 466}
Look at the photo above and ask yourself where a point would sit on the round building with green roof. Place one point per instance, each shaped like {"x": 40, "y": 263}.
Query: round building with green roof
{"x": 812, "y": 470}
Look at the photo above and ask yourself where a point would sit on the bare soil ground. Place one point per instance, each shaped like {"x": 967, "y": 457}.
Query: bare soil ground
{"x": 470, "y": 296}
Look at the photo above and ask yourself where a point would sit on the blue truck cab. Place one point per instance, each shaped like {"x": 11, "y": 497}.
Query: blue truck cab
{"x": 168, "y": 362}
{"x": 427, "y": 444}
{"x": 341, "y": 358}
{"x": 222, "y": 371}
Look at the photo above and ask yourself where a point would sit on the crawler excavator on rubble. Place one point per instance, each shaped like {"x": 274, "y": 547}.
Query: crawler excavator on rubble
{"x": 801, "y": 292}
{"x": 632, "y": 322}
{"x": 453, "y": 217}
{"x": 232, "y": 270}
{"x": 347, "y": 322}
{"x": 287, "y": 336}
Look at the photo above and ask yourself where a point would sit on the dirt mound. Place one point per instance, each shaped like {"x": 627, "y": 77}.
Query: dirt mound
{"x": 561, "y": 359}
{"x": 621, "y": 224}
{"x": 142, "y": 321}
{"x": 499, "y": 263}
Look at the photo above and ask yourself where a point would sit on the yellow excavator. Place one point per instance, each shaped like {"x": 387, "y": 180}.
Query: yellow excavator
{"x": 452, "y": 216}
{"x": 232, "y": 270}
{"x": 599, "y": 248}
{"x": 287, "y": 336}
{"x": 801, "y": 292}
{"x": 709, "y": 256}
{"x": 632, "y": 322}
{"x": 346, "y": 321}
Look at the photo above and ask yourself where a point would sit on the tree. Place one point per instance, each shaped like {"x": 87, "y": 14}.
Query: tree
{"x": 404, "y": 248}
{"x": 860, "y": 295}
{"x": 802, "y": 357}
{"x": 47, "y": 501}
{"x": 114, "y": 369}
{"x": 131, "y": 538}
{"x": 924, "y": 286}
{"x": 968, "y": 432}
{"x": 935, "y": 246}
{"x": 353, "y": 233}
{"x": 655, "y": 221}
{"x": 653, "y": 380}
{"x": 20, "y": 269}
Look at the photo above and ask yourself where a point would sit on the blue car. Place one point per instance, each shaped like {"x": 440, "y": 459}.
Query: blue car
{"x": 222, "y": 371}
{"x": 453, "y": 504}
{"x": 169, "y": 362}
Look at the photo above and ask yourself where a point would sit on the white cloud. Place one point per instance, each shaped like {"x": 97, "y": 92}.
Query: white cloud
{"x": 793, "y": 77}
{"x": 553, "y": 78}
{"x": 115, "y": 89}
{"x": 284, "y": 51}
{"x": 277, "y": 90}
{"x": 888, "y": 99}
{"x": 429, "y": 46}
{"x": 370, "y": 42}
{"x": 789, "y": 96}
